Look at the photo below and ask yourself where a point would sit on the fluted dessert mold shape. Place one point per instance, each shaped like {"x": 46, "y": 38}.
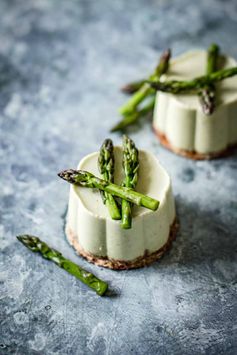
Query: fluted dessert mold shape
{"x": 101, "y": 238}
{"x": 179, "y": 120}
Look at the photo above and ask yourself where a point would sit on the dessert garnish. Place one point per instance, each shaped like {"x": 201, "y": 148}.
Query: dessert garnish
{"x": 207, "y": 94}
{"x": 143, "y": 100}
{"x": 106, "y": 169}
{"x": 130, "y": 167}
{"x": 190, "y": 86}
{"x": 108, "y": 188}
{"x": 87, "y": 179}
{"x": 131, "y": 111}
{"x": 142, "y": 236}
{"x": 37, "y": 245}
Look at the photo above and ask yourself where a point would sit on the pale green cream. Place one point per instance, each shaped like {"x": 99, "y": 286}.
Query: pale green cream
{"x": 180, "y": 117}
{"x": 100, "y": 235}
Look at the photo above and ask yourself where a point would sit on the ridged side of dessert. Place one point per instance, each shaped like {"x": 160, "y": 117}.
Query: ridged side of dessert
{"x": 101, "y": 240}
{"x": 179, "y": 121}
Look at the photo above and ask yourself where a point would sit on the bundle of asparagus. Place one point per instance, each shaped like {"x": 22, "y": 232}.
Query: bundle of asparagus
{"x": 37, "y": 245}
{"x": 108, "y": 188}
{"x": 142, "y": 92}
{"x": 203, "y": 86}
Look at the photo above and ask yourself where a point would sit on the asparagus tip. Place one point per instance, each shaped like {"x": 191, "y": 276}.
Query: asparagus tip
{"x": 166, "y": 54}
{"x": 107, "y": 144}
{"x": 67, "y": 175}
{"x": 214, "y": 47}
{"x": 29, "y": 241}
{"x": 128, "y": 89}
{"x": 23, "y": 238}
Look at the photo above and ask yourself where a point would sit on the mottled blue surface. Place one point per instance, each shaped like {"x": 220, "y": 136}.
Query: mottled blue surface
{"x": 61, "y": 65}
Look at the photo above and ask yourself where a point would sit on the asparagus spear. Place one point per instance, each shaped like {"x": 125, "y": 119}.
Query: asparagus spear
{"x": 207, "y": 94}
{"x": 133, "y": 117}
{"x": 130, "y": 166}
{"x": 106, "y": 168}
{"x": 37, "y": 245}
{"x": 145, "y": 89}
{"x": 213, "y": 52}
{"x": 131, "y": 88}
{"x": 177, "y": 86}
{"x": 86, "y": 179}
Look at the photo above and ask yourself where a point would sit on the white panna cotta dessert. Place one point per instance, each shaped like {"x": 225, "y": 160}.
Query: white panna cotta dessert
{"x": 100, "y": 239}
{"x": 179, "y": 120}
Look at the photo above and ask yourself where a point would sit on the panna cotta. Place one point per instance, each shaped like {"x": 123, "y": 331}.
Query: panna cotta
{"x": 179, "y": 121}
{"x": 100, "y": 239}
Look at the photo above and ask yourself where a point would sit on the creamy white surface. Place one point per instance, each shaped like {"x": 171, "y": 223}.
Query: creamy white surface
{"x": 180, "y": 117}
{"x": 100, "y": 235}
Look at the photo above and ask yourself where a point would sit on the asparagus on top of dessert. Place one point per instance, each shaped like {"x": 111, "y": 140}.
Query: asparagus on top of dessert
{"x": 207, "y": 94}
{"x": 37, "y": 245}
{"x": 106, "y": 168}
{"x": 143, "y": 100}
{"x": 130, "y": 166}
{"x": 145, "y": 89}
{"x": 179, "y": 86}
{"x": 142, "y": 91}
{"x": 133, "y": 117}
{"x": 86, "y": 179}
{"x": 132, "y": 87}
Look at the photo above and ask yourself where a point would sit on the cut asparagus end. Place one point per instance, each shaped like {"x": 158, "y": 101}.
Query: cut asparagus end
{"x": 101, "y": 288}
{"x": 150, "y": 203}
{"x": 126, "y": 222}
{"x": 112, "y": 207}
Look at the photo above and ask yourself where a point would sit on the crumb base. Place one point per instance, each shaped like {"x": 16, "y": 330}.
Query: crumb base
{"x": 141, "y": 261}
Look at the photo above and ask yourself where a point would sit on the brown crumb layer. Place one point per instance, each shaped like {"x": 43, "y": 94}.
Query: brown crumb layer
{"x": 192, "y": 154}
{"x": 141, "y": 261}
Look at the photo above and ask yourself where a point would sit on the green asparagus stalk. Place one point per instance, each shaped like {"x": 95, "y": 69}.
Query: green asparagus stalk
{"x": 106, "y": 168}
{"x": 207, "y": 94}
{"x": 145, "y": 89}
{"x": 130, "y": 166}
{"x": 131, "y": 88}
{"x": 86, "y": 179}
{"x": 134, "y": 117}
{"x": 212, "y": 58}
{"x": 37, "y": 245}
{"x": 178, "y": 87}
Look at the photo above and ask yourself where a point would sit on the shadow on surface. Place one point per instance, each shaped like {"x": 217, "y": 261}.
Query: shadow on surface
{"x": 204, "y": 235}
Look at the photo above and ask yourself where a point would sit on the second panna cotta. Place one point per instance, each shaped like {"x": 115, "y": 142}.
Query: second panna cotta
{"x": 179, "y": 120}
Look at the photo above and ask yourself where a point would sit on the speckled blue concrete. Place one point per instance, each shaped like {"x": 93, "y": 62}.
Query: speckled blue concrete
{"x": 61, "y": 65}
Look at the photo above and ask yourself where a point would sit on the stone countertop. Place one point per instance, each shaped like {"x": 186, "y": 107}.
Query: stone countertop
{"x": 61, "y": 66}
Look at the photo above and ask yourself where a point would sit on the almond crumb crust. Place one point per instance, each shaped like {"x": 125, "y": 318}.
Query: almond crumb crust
{"x": 192, "y": 154}
{"x": 141, "y": 261}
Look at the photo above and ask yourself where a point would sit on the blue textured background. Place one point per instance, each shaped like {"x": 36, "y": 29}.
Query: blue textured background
{"x": 61, "y": 66}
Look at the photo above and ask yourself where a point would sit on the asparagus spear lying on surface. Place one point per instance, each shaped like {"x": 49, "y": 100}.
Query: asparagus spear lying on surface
{"x": 142, "y": 90}
{"x": 130, "y": 166}
{"x": 178, "y": 87}
{"x": 36, "y": 245}
{"x": 106, "y": 168}
{"x": 207, "y": 94}
{"x": 86, "y": 179}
